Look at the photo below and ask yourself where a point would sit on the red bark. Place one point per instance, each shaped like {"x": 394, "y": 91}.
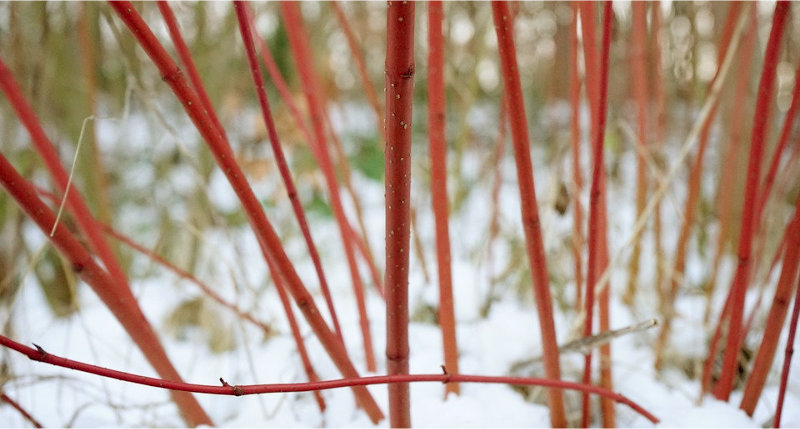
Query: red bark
{"x": 512, "y": 90}
{"x": 40, "y": 355}
{"x": 438, "y": 153}
{"x": 399, "y": 91}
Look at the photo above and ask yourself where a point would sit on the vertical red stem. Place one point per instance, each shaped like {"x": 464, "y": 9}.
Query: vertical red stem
{"x": 399, "y": 91}
{"x": 588, "y": 33}
{"x": 438, "y": 153}
{"x": 595, "y": 195}
{"x": 301, "y": 51}
{"x": 739, "y": 286}
{"x": 512, "y": 90}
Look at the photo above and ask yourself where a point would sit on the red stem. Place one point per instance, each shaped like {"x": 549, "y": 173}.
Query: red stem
{"x": 265, "y": 233}
{"x": 591, "y": 62}
{"x": 512, "y": 89}
{"x": 18, "y": 407}
{"x": 787, "y": 358}
{"x": 399, "y": 89}
{"x": 739, "y": 286}
{"x": 40, "y": 355}
{"x": 438, "y": 154}
{"x": 595, "y": 198}
{"x": 301, "y": 51}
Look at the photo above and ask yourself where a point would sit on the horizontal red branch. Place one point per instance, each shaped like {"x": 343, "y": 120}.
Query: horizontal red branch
{"x": 40, "y": 355}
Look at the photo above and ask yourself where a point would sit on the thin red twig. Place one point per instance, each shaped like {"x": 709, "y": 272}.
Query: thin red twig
{"x": 207, "y": 290}
{"x": 40, "y": 355}
{"x": 20, "y": 409}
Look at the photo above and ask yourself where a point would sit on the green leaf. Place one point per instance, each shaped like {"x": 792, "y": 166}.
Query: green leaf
{"x": 319, "y": 206}
{"x": 369, "y": 160}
